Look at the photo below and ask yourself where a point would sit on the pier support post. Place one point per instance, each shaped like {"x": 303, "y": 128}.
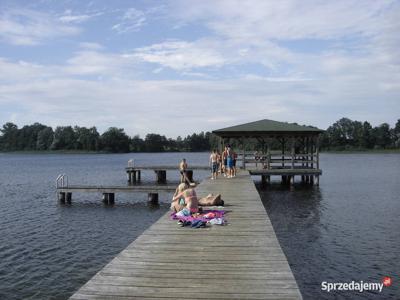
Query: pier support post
{"x": 263, "y": 179}
{"x": 108, "y": 198}
{"x": 61, "y": 197}
{"x": 189, "y": 175}
{"x": 161, "y": 176}
{"x": 133, "y": 175}
{"x": 153, "y": 198}
{"x": 68, "y": 197}
{"x": 138, "y": 176}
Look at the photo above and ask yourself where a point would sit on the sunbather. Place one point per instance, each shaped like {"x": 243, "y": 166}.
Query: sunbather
{"x": 186, "y": 197}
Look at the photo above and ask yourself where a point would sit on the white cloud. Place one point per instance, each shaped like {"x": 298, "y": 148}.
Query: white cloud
{"x": 200, "y": 104}
{"x": 285, "y": 19}
{"x": 132, "y": 20}
{"x": 90, "y": 46}
{"x": 91, "y": 62}
{"x": 27, "y": 27}
{"x": 237, "y": 71}
{"x": 181, "y": 55}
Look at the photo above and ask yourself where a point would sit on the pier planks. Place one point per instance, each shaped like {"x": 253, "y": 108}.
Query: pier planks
{"x": 242, "y": 260}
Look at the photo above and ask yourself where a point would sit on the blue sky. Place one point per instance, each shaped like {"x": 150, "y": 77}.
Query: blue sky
{"x": 177, "y": 67}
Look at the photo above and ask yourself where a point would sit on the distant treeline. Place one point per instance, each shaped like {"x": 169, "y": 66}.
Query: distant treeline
{"x": 344, "y": 134}
{"x": 39, "y": 137}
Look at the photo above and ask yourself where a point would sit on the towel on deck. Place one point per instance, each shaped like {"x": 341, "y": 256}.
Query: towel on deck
{"x": 205, "y": 216}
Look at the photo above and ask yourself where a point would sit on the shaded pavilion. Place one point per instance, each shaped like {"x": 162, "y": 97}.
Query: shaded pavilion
{"x": 298, "y": 152}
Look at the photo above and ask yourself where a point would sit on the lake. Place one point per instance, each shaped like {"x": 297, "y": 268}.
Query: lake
{"x": 346, "y": 229}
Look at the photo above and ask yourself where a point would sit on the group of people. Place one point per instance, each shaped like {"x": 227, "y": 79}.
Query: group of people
{"x": 223, "y": 163}
{"x": 185, "y": 197}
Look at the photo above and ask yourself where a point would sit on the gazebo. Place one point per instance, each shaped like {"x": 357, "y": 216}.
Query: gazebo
{"x": 298, "y": 152}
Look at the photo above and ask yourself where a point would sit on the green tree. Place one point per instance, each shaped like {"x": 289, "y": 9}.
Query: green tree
{"x": 368, "y": 140}
{"x": 87, "y": 138}
{"x": 115, "y": 140}
{"x": 396, "y": 133}
{"x": 64, "y": 138}
{"x": 382, "y": 136}
{"x": 9, "y": 137}
{"x": 27, "y": 136}
{"x": 137, "y": 144}
{"x": 44, "y": 138}
{"x": 155, "y": 142}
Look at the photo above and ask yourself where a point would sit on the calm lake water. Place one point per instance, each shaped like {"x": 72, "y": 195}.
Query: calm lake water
{"x": 346, "y": 229}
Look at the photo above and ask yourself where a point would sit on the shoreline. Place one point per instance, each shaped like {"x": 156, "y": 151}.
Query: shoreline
{"x": 360, "y": 151}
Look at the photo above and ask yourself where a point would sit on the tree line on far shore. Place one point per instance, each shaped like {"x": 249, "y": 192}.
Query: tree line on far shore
{"x": 344, "y": 134}
{"x": 39, "y": 137}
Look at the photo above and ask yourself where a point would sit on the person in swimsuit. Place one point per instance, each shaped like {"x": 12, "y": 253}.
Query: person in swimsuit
{"x": 214, "y": 164}
{"x": 186, "y": 197}
{"x": 182, "y": 169}
{"x": 225, "y": 161}
{"x": 219, "y": 156}
{"x": 234, "y": 155}
{"x": 229, "y": 160}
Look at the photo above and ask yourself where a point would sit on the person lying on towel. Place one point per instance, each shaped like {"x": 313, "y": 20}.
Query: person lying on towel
{"x": 186, "y": 197}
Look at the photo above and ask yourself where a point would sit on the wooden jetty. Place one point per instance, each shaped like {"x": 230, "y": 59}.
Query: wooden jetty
{"x": 108, "y": 192}
{"x": 65, "y": 190}
{"x": 133, "y": 173}
{"x": 242, "y": 260}
{"x": 281, "y": 146}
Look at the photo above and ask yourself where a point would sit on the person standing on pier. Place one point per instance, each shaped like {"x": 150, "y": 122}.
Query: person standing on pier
{"x": 219, "y": 162}
{"x": 214, "y": 164}
{"x": 229, "y": 162}
{"x": 234, "y": 157}
{"x": 224, "y": 160}
{"x": 182, "y": 169}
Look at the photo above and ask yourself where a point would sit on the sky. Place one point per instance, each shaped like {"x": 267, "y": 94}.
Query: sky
{"x": 178, "y": 67}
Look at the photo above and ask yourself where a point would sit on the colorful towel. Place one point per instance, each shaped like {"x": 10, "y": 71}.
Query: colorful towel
{"x": 205, "y": 216}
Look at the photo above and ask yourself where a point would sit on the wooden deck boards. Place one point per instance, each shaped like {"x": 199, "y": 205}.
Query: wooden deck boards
{"x": 242, "y": 260}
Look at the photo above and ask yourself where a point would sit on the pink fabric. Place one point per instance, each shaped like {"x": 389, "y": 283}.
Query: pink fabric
{"x": 206, "y": 215}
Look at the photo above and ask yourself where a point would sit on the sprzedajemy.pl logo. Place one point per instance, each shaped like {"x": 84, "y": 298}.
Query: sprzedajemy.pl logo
{"x": 359, "y": 286}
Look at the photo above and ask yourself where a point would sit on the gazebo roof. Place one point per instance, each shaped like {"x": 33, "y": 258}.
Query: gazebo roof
{"x": 265, "y": 127}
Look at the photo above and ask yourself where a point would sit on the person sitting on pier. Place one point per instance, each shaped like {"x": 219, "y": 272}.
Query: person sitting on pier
{"x": 182, "y": 169}
{"x": 186, "y": 197}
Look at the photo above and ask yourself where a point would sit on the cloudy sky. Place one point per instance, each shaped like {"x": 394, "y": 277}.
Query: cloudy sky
{"x": 177, "y": 67}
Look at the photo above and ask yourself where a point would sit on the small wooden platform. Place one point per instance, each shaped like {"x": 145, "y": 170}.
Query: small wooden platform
{"x": 118, "y": 189}
{"x": 242, "y": 260}
{"x": 285, "y": 172}
{"x": 167, "y": 168}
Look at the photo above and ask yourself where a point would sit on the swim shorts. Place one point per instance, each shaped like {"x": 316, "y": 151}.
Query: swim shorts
{"x": 230, "y": 162}
{"x": 214, "y": 167}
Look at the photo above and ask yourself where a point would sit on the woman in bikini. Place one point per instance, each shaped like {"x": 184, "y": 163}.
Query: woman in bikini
{"x": 186, "y": 197}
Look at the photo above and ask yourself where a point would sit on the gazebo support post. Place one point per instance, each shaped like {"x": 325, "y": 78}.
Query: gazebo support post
{"x": 244, "y": 153}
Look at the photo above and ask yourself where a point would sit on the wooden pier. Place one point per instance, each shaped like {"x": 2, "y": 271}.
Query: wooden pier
{"x": 288, "y": 175}
{"x": 242, "y": 260}
{"x": 65, "y": 192}
{"x": 134, "y": 173}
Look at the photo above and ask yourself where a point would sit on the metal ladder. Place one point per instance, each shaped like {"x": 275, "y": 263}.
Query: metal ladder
{"x": 62, "y": 181}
